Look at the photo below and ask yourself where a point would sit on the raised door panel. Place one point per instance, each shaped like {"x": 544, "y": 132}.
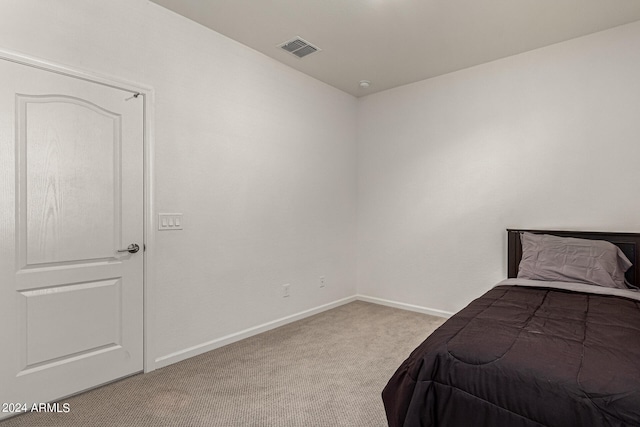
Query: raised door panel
{"x": 69, "y": 164}
{"x": 71, "y": 321}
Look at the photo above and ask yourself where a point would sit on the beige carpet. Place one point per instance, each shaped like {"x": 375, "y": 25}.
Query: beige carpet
{"x": 326, "y": 370}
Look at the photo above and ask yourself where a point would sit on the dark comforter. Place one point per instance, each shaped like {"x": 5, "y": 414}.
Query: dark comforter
{"x": 525, "y": 356}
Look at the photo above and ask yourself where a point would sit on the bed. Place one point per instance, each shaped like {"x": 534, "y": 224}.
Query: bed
{"x": 547, "y": 351}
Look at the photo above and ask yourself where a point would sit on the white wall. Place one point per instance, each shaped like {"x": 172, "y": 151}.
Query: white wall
{"x": 260, "y": 159}
{"x": 546, "y": 139}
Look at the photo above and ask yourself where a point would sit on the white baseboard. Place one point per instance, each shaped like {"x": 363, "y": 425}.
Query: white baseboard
{"x": 178, "y": 356}
{"x": 404, "y": 306}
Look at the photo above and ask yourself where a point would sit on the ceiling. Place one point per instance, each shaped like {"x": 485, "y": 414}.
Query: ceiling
{"x": 395, "y": 42}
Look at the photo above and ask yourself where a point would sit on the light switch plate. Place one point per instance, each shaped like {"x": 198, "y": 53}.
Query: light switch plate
{"x": 170, "y": 221}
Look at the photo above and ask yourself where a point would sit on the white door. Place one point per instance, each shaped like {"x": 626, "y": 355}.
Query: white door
{"x": 71, "y": 197}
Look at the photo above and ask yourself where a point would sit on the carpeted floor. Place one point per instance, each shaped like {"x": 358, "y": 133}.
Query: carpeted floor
{"x": 325, "y": 370}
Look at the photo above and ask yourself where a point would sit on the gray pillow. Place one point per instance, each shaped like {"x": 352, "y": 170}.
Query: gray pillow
{"x": 567, "y": 259}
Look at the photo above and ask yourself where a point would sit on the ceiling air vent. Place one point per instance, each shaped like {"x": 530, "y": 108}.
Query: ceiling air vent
{"x": 299, "y": 47}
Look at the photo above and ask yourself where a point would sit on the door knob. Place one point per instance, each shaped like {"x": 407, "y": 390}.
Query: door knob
{"x": 132, "y": 249}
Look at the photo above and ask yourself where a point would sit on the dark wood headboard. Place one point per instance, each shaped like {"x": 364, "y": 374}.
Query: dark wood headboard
{"x": 628, "y": 242}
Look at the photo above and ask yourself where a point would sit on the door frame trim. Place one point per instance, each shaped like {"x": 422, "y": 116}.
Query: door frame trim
{"x": 148, "y": 95}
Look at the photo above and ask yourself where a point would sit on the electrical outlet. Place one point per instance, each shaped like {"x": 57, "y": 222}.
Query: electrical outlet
{"x": 322, "y": 281}
{"x": 285, "y": 290}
